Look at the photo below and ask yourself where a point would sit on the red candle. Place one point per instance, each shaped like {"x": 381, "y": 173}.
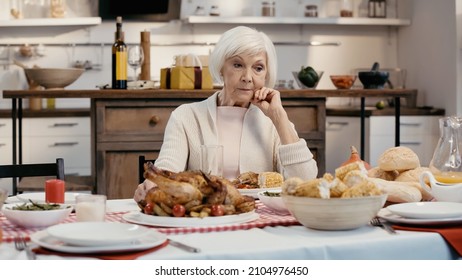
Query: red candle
{"x": 54, "y": 191}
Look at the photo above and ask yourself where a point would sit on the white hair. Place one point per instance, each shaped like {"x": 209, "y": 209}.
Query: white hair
{"x": 243, "y": 40}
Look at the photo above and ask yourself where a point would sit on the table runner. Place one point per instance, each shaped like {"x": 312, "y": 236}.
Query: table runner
{"x": 267, "y": 218}
{"x": 452, "y": 235}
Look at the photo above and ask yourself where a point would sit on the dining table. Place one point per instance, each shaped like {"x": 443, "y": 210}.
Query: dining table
{"x": 272, "y": 236}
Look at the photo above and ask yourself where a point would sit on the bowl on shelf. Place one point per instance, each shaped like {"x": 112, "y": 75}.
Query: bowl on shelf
{"x": 334, "y": 213}
{"x": 373, "y": 79}
{"x": 53, "y": 78}
{"x": 301, "y": 85}
{"x": 36, "y": 218}
{"x": 343, "y": 81}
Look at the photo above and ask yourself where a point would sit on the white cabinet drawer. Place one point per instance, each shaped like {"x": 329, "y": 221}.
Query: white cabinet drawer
{"x": 56, "y": 126}
{"x": 409, "y": 125}
{"x": 6, "y": 152}
{"x": 6, "y": 128}
{"x": 75, "y": 150}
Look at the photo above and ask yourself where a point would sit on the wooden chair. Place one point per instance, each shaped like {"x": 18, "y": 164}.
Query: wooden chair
{"x": 141, "y": 161}
{"x": 32, "y": 170}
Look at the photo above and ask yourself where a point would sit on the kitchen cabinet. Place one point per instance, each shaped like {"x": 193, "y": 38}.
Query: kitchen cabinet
{"x": 420, "y": 133}
{"x": 6, "y": 149}
{"x": 78, "y": 22}
{"x": 126, "y": 129}
{"x": 45, "y": 139}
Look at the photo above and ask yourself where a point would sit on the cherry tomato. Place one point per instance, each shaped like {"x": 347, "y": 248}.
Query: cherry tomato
{"x": 149, "y": 209}
{"x": 178, "y": 210}
{"x": 217, "y": 210}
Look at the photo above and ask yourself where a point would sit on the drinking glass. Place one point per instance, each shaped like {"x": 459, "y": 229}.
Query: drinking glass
{"x": 90, "y": 207}
{"x": 135, "y": 59}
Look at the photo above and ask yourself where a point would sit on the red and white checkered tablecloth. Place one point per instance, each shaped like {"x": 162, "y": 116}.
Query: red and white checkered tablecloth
{"x": 267, "y": 218}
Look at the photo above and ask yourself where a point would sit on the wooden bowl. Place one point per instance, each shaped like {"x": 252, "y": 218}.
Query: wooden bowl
{"x": 53, "y": 78}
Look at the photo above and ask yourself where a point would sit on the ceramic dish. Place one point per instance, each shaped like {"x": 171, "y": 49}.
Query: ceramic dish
{"x": 39, "y": 197}
{"x": 254, "y": 192}
{"x": 36, "y": 219}
{"x": 392, "y": 218}
{"x": 97, "y": 233}
{"x": 274, "y": 202}
{"x": 427, "y": 210}
{"x": 150, "y": 220}
{"x": 150, "y": 240}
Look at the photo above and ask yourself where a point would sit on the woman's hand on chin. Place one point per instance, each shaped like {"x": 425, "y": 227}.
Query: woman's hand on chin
{"x": 268, "y": 100}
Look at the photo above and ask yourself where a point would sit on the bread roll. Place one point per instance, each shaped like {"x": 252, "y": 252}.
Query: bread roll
{"x": 376, "y": 172}
{"x": 413, "y": 176}
{"x": 398, "y": 158}
{"x": 398, "y": 191}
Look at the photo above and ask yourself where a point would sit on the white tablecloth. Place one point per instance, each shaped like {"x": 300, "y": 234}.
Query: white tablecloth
{"x": 293, "y": 242}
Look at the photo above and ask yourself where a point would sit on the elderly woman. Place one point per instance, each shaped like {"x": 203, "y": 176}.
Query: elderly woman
{"x": 246, "y": 117}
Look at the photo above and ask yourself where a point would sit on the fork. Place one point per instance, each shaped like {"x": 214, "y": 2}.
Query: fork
{"x": 378, "y": 223}
{"x": 20, "y": 244}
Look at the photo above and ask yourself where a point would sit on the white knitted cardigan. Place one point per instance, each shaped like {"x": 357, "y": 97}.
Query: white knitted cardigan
{"x": 194, "y": 124}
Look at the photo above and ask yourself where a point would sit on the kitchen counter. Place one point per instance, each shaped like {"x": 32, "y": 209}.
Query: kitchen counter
{"x": 389, "y": 111}
{"x": 165, "y": 93}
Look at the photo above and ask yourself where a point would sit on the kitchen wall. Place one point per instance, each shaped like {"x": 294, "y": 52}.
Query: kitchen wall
{"x": 358, "y": 46}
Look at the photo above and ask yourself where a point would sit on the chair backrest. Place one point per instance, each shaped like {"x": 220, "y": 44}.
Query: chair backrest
{"x": 141, "y": 161}
{"x": 33, "y": 170}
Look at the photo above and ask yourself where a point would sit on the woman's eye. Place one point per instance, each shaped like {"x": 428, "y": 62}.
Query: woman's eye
{"x": 237, "y": 65}
{"x": 259, "y": 68}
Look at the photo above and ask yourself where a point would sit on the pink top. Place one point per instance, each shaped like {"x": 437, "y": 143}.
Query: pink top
{"x": 229, "y": 123}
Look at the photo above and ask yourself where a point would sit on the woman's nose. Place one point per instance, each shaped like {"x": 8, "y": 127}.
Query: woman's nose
{"x": 246, "y": 77}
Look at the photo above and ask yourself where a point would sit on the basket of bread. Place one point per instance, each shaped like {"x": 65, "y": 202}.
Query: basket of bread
{"x": 352, "y": 196}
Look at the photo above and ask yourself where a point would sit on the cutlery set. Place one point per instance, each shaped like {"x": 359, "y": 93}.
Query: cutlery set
{"x": 384, "y": 225}
{"x": 20, "y": 243}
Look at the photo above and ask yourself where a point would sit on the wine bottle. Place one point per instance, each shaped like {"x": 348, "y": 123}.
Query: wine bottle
{"x": 119, "y": 58}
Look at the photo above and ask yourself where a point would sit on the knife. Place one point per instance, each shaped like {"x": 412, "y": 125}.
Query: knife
{"x": 183, "y": 246}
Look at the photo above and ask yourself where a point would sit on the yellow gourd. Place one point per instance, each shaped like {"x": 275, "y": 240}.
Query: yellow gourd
{"x": 354, "y": 156}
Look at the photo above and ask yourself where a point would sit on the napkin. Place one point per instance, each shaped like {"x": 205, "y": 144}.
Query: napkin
{"x": 452, "y": 235}
{"x": 103, "y": 256}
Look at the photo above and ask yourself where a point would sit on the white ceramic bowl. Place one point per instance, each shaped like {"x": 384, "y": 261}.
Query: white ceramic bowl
{"x": 334, "y": 213}
{"x": 274, "y": 202}
{"x": 36, "y": 219}
{"x": 53, "y": 78}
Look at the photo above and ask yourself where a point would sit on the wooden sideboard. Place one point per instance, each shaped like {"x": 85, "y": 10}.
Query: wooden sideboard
{"x": 129, "y": 123}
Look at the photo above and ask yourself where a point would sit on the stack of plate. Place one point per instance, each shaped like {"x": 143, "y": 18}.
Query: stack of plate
{"x": 98, "y": 237}
{"x": 423, "y": 213}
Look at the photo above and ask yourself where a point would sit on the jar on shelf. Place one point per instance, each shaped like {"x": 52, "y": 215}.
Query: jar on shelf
{"x": 377, "y": 8}
{"x": 268, "y": 9}
{"x": 311, "y": 11}
{"x": 214, "y": 11}
{"x": 346, "y": 8}
{"x": 200, "y": 11}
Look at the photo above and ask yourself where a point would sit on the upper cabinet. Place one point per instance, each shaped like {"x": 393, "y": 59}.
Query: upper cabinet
{"x": 297, "y": 20}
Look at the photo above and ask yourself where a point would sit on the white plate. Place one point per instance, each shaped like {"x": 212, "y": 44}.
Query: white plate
{"x": 254, "y": 192}
{"x": 39, "y": 197}
{"x": 97, "y": 233}
{"x": 151, "y": 220}
{"x": 427, "y": 210}
{"x": 153, "y": 239}
{"x": 385, "y": 214}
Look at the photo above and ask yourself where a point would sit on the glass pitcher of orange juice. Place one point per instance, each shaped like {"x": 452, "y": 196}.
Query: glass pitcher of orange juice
{"x": 446, "y": 164}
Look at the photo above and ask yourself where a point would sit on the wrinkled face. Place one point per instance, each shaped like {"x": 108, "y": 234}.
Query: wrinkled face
{"x": 242, "y": 75}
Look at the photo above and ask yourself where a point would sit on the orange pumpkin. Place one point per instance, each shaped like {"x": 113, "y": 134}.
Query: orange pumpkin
{"x": 354, "y": 156}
